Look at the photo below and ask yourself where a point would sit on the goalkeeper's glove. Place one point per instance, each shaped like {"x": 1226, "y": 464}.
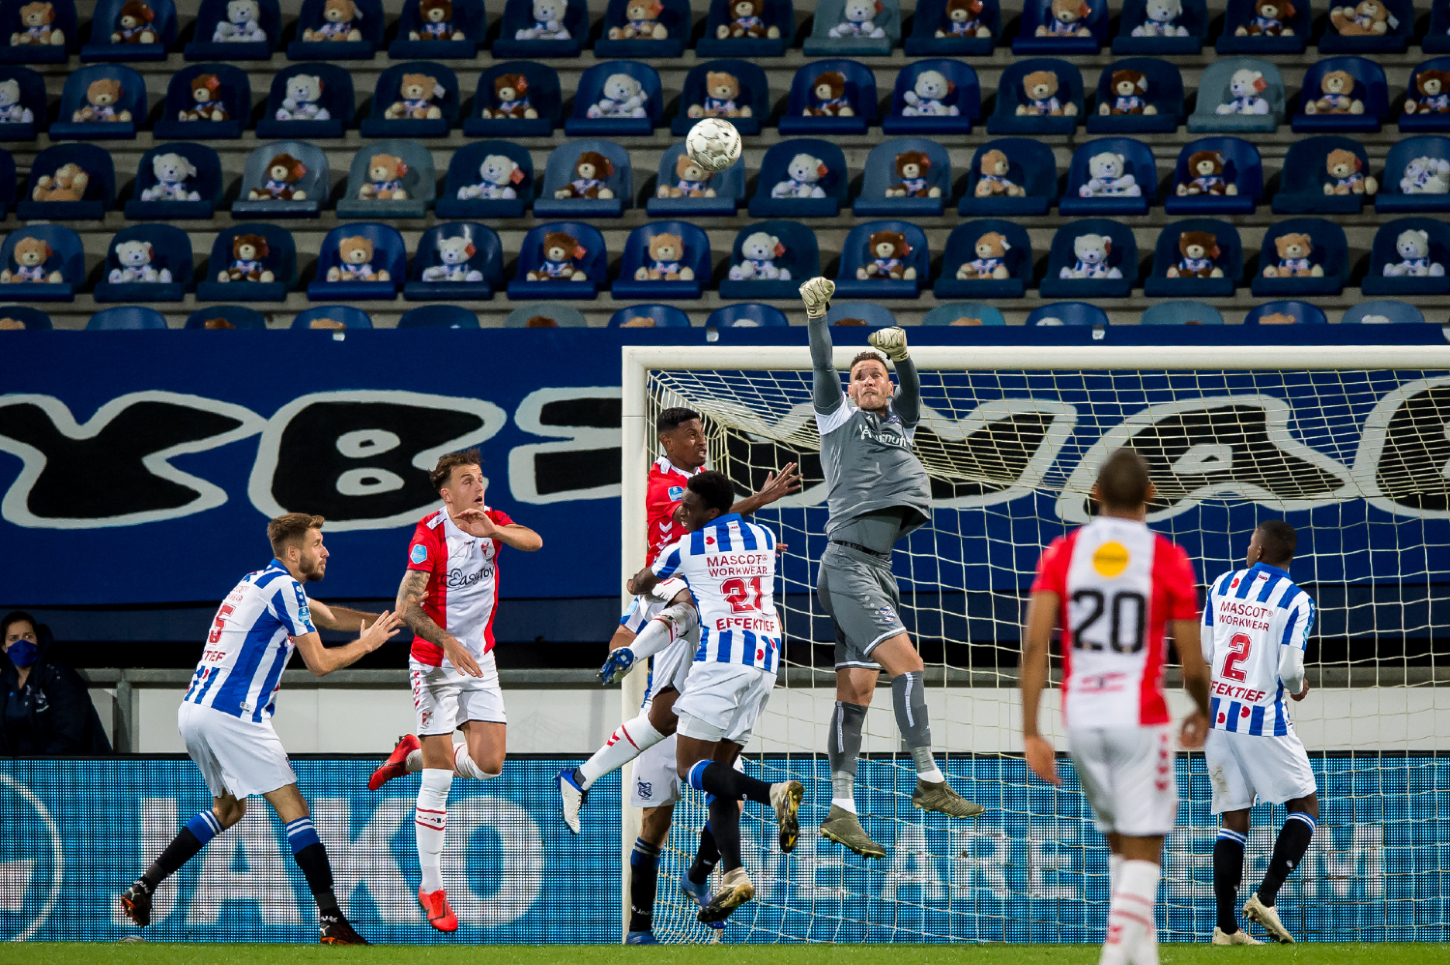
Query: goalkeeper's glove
{"x": 816, "y": 294}
{"x": 890, "y": 341}
{"x": 616, "y": 665}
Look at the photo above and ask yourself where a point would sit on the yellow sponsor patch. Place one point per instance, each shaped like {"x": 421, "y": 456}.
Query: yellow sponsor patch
{"x": 1111, "y": 558}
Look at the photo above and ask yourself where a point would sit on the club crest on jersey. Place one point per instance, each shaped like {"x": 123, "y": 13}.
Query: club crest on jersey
{"x": 1111, "y": 559}
{"x": 419, "y": 553}
{"x": 887, "y": 614}
{"x": 677, "y": 493}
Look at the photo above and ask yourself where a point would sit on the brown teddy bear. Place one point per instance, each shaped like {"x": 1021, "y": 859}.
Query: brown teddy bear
{"x": 721, "y": 89}
{"x": 1065, "y": 20}
{"x": 694, "y": 180}
{"x": 68, "y": 184}
{"x": 1269, "y": 17}
{"x": 437, "y": 17}
{"x": 1338, "y": 90}
{"x": 1199, "y": 250}
{"x": 641, "y": 22}
{"x": 417, "y": 92}
{"x": 31, "y": 254}
{"x": 561, "y": 250}
{"x": 339, "y": 18}
{"x": 1127, "y": 88}
{"x": 746, "y": 22}
{"x": 1294, "y": 252}
{"x": 1205, "y": 173}
{"x": 326, "y": 324}
{"x": 1348, "y": 172}
{"x": 101, "y": 98}
{"x": 828, "y": 97}
{"x": 1434, "y": 93}
{"x": 993, "y": 180}
{"x": 962, "y": 20}
{"x": 37, "y": 18}
{"x": 665, "y": 252}
{"x": 1277, "y": 318}
{"x": 911, "y": 168}
{"x": 540, "y": 321}
{"x": 247, "y": 254}
{"x": 511, "y": 91}
{"x": 283, "y": 171}
{"x": 590, "y": 172}
{"x": 887, "y": 251}
{"x": 1040, "y": 90}
{"x": 205, "y": 94}
{"x": 356, "y": 255}
{"x": 990, "y": 262}
{"x": 133, "y": 26}
{"x": 387, "y": 173}
{"x": 1368, "y": 19}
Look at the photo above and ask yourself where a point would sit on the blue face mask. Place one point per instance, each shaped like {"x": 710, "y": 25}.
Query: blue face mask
{"x": 22, "y": 653}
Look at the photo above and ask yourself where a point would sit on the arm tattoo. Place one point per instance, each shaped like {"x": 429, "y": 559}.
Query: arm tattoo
{"x": 409, "y": 606}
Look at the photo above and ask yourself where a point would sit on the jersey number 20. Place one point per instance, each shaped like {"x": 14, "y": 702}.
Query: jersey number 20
{"x": 1126, "y": 611}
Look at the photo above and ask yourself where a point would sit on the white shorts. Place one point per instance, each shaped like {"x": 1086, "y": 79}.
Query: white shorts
{"x": 1242, "y": 767}
{"x": 723, "y": 701}
{"x": 1127, "y": 774}
{"x": 237, "y": 757}
{"x": 656, "y": 776}
{"x": 444, "y": 698}
{"x": 645, "y": 607}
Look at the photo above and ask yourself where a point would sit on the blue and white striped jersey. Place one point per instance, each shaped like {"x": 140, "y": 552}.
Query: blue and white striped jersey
{"x": 250, "y": 642}
{"x": 729, "y": 565}
{"x": 1250, "y": 620}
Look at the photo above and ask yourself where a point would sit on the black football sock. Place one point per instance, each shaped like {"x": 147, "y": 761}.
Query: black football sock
{"x": 725, "y": 820}
{"x": 1228, "y": 873}
{"x": 726, "y": 782}
{"x": 1289, "y": 850}
{"x": 311, "y": 857}
{"x": 706, "y": 857}
{"x": 198, "y": 831}
{"x": 644, "y": 869}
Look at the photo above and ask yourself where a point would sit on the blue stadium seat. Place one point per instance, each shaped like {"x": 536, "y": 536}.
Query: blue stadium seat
{"x": 798, "y": 258}
{"x": 100, "y": 192}
{"x": 280, "y": 258}
{"x": 170, "y": 253}
{"x": 673, "y": 15}
{"x": 1164, "y": 92}
{"x": 1241, "y": 166}
{"x": 312, "y": 182}
{"x": 964, "y": 315}
{"x": 349, "y": 317}
{"x": 1306, "y": 175}
{"x": 775, "y": 177}
{"x": 831, "y": 16}
{"x": 963, "y": 95}
{"x": 661, "y": 316}
{"x": 336, "y": 99}
{"x": 73, "y": 99}
{"x": 369, "y": 23}
{"x": 961, "y": 251}
{"x": 1399, "y": 24}
{"x": 1037, "y": 15}
{"x": 64, "y": 255}
{"x": 419, "y": 181}
{"x": 1369, "y": 89}
{"x": 1285, "y": 313}
{"x": 438, "y": 274}
{"x": 540, "y": 95}
{"x": 1122, "y": 258}
{"x": 9, "y": 183}
{"x": 858, "y": 91}
{"x": 754, "y": 95}
{"x": 1242, "y": 13}
{"x": 466, "y": 174}
{"x": 389, "y": 93}
{"x": 561, "y": 172}
{"x": 875, "y": 316}
{"x": 1330, "y": 251}
{"x": 1436, "y": 118}
{"x": 32, "y": 98}
{"x": 106, "y": 24}
{"x": 33, "y": 319}
{"x": 1031, "y": 167}
{"x": 1437, "y": 37}
{"x": 882, "y": 174}
{"x": 856, "y": 254}
{"x": 233, "y": 91}
{"x": 1010, "y": 96}
{"x": 777, "y": 15}
{"x": 1084, "y": 196}
{"x": 126, "y": 318}
{"x": 748, "y": 315}
{"x": 1181, "y": 313}
{"x": 529, "y": 316}
{"x": 36, "y": 52}
{"x": 1430, "y": 255}
{"x": 1067, "y": 313}
{"x": 518, "y": 15}
{"x": 728, "y": 185}
{"x": 1134, "y": 38}
{"x": 389, "y": 254}
{"x": 638, "y": 255}
{"x": 616, "y": 120}
{"x": 237, "y": 316}
{"x": 592, "y": 260}
{"x": 1382, "y": 313}
{"x": 931, "y": 17}
{"x": 1214, "y": 92}
{"x": 1392, "y": 197}
{"x": 468, "y": 20}
{"x": 439, "y": 316}
{"x": 204, "y": 44}
{"x": 1227, "y": 255}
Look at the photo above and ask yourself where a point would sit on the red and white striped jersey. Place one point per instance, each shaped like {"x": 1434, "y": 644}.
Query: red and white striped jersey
{"x": 665, "y": 489}
{"x": 1119, "y": 583}
{"x": 462, "y": 582}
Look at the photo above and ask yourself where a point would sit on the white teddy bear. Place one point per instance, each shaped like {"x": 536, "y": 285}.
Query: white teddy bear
{"x": 548, "y": 22}
{"x": 454, "y": 254}
{"x": 1161, "y": 20}
{"x": 1426, "y": 175}
{"x": 860, "y": 20}
{"x": 301, "y": 103}
{"x": 623, "y": 97}
{"x": 1244, "y": 88}
{"x": 928, "y": 97}
{"x": 172, "y": 172}
{"x": 757, "y": 259}
{"x": 1092, "y": 258}
{"x": 11, "y": 110}
{"x": 241, "y": 26}
{"x": 804, "y": 172}
{"x": 1414, "y": 250}
{"x": 1108, "y": 180}
{"x": 499, "y": 174}
{"x": 135, "y": 259}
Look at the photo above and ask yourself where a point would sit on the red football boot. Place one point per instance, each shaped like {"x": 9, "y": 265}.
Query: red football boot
{"x": 396, "y": 764}
{"x": 436, "y": 907}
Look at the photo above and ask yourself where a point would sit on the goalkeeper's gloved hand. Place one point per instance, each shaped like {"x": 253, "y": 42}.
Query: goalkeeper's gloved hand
{"x": 616, "y": 665}
{"x": 817, "y": 293}
{"x": 891, "y": 341}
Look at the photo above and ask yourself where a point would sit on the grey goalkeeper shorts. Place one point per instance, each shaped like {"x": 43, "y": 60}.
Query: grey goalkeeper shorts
{"x": 859, "y": 591}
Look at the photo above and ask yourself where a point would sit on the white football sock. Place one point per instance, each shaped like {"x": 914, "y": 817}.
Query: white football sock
{"x": 844, "y": 803}
{"x": 1132, "y": 935}
{"x": 629, "y": 740}
{"x": 413, "y": 763}
{"x": 465, "y": 766}
{"x": 672, "y": 623}
{"x": 1115, "y": 868}
{"x": 430, "y": 820}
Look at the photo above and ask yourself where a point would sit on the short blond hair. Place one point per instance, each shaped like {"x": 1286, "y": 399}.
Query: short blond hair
{"x": 289, "y": 528}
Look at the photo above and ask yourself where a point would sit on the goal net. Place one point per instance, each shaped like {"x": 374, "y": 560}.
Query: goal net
{"x": 1352, "y": 447}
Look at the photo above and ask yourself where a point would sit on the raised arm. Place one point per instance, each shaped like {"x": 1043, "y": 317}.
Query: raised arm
{"x": 776, "y": 487}
{"x": 826, "y": 394}
{"x": 907, "y": 401}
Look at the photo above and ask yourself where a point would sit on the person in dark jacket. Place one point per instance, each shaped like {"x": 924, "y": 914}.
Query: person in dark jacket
{"x": 45, "y": 708}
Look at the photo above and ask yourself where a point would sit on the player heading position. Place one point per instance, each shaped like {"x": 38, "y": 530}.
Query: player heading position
{"x": 878, "y": 493}
{"x": 449, "y": 596}
{"x": 1112, "y": 586}
{"x": 1256, "y": 626}
{"x": 226, "y": 716}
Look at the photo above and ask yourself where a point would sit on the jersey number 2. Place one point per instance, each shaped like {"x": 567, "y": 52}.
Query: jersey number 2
{"x": 743, "y": 597}
{"x": 1238, "y": 653}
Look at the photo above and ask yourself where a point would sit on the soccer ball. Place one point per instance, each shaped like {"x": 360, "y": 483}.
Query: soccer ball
{"x": 713, "y": 144}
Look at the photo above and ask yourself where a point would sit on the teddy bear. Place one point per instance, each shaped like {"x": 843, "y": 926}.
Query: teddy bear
{"x": 37, "y": 18}
{"x": 548, "y": 22}
{"x": 622, "y": 96}
{"x": 11, "y": 110}
{"x": 1065, "y": 19}
{"x": 590, "y": 172}
{"x": 436, "y": 18}
{"x": 283, "y": 171}
{"x": 860, "y": 20}
{"x": 928, "y": 96}
{"x": 386, "y": 173}
{"x": 828, "y": 97}
{"x": 247, "y": 254}
{"x": 962, "y": 19}
{"x": 510, "y": 90}
{"x": 67, "y": 184}
{"x": 1199, "y": 250}
{"x": 1294, "y": 251}
{"x": 1426, "y": 175}
{"x": 1413, "y": 247}
{"x": 1368, "y": 19}
{"x": 911, "y": 168}
{"x": 8, "y": 324}
{"x": 301, "y": 99}
{"x": 339, "y": 23}
{"x": 1160, "y": 19}
{"x": 133, "y": 25}
{"x": 172, "y": 172}
{"x": 1337, "y": 87}
{"x": 1347, "y": 170}
{"x": 887, "y": 251}
{"x": 1092, "y": 253}
{"x": 665, "y": 252}
{"x": 561, "y": 250}
{"x": 757, "y": 259}
{"x": 721, "y": 89}
{"x": 416, "y": 95}
{"x": 242, "y": 25}
{"x": 1128, "y": 89}
{"x": 1278, "y": 318}
{"x": 803, "y": 172}
{"x": 135, "y": 259}
{"x": 205, "y": 91}
{"x": 217, "y": 324}
{"x": 1206, "y": 176}
{"x": 1040, "y": 89}
{"x": 101, "y": 97}
{"x": 693, "y": 180}
{"x": 1108, "y": 178}
{"x": 498, "y": 175}
{"x": 641, "y": 22}
{"x": 453, "y": 255}
{"x": 747, "y": 22}
{"x": 991, "y": 260}
{"x": 1244, "y": 88}
{"x": 1269, "y": 17}
{"x": 356, "y": 264}
{"x": 993, "y": 178}
{"x": 31, "y": 254}
{"x": 1433, "y": 87}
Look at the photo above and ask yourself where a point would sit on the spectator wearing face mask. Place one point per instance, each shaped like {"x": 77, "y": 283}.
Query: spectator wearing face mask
{"x": 45, "y": 708}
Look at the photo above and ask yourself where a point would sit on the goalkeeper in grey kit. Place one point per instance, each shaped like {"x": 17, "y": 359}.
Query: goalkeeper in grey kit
{"x": 878, "y": 492}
